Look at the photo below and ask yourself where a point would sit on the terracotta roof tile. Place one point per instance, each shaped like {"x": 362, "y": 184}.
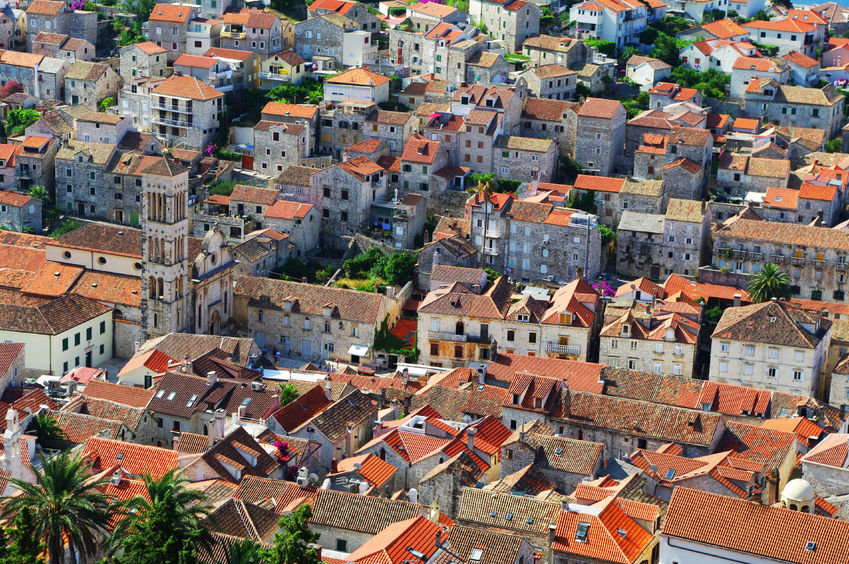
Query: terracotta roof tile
{"x": 599, "y": 108}
{"x": 135, "y": 459}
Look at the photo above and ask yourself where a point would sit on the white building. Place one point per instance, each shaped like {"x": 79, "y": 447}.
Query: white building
{"x": 620, "y": 21}
{"x": 773, "y": 345}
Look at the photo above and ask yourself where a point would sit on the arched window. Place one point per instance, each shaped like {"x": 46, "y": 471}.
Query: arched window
{"x": 460, "y": 328}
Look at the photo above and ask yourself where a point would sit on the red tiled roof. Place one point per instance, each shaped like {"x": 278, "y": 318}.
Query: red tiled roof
{"x": 599, "y": 108}
{"x": 306, "y": 406}
{"x": 126, "y": 395}
{"x": 599, "y": 183}
{"x": 136, "y": 459}
{"x": 758, "y": 530}
{"x": 374, "y": 470}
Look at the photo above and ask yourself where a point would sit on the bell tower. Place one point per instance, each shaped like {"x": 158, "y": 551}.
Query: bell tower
{"x": 165, "y": 247}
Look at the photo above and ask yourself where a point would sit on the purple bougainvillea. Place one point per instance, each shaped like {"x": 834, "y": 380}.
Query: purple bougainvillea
{"x": 604, "y": 289}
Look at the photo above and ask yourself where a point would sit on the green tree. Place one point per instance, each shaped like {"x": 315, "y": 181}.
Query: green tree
{"x": 491, "y": 275}
{"x": 399, "y": 268}
{"x": 583, "y": 200}
{"x": 21, "y": 544}
{"x": 165, "y": 530}
{"x": 47, "y": 431}
{"x": 570, "y": 168}
{"x": 18, "y": 120}
{"x": 221, "y": 187}
{"x": 629, "y": 52}
{"x": 291, "y": 545}
{"x": 602, "y": 46}
{"x": 106, "y": 103}
{"x": 769, "y": 282}
{"x": 39, "y": 193}
{"x": 66, "y": 506}
{"x": 667, "y": 47}
{"x": 483, "y": 192}
{"x": 834, "y": 146}
{"x": 245, "y": 551}
{"x": 608, "y": 235}
{"x": 140, "y": 8}
{"x": 288, "y": 393}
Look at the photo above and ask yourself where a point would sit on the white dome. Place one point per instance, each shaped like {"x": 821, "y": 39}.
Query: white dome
{"x": 798, "y": 490}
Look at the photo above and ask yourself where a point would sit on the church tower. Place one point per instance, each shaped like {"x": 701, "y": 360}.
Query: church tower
{"x": 165, "y": 247}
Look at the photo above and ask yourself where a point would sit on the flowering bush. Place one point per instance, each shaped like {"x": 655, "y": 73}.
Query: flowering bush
{"x": 282, "y": 452}
{"x": 604, "y": 289}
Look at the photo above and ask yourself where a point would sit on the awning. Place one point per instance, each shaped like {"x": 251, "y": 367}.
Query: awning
{"x": 358, "y": 350}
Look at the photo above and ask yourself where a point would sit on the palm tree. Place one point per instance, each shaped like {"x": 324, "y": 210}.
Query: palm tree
{"x": 246, "y": 551}
{"x": 66, "y": 506}
{"x": 187, "y": 508}
{"x": 484, "y": 191}
{"x": 768, "y": 283}
{"x": 46, "y": 429}
{"x": 39, "y": 193}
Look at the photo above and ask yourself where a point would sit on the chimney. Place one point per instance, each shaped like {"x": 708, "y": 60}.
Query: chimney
{"x": 136, "y": 346}
{"x": 771, "y": 487}
{"x": 115, "y": 480}
{"x": 433, "y": 515}
{"x": 737, "y": 298}
{"x": 334, "y": 466}
{"x": 552, "y": 529}
{"x": 522, "y": 433}
{"x": 470, "y": 432}
{"x": 435, "y": 255}
{"x": 211, "y": 378}
{"x": 567, "y": 399}
{"x": 413, "y": 495}
{"x": 580, "y": 272}
{"x": 364, "y": 487}
{"x": 394, "y": 409}
{"x": 493, "y": 351}
{"x": 186, "y": 367}
{"x": 328, "y": 390}
{"x": 12, "y": 442}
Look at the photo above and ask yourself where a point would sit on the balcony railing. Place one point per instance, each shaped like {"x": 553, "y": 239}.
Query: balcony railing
{"x": 23, "y": 174}
{"x": 490, "y": 251}
{"x": 274, "y": 76}
{"x": 798, "y": 261}
{"x": 174, "y": 122}
{"x": 840, "y": 265}
{"x": 563, "y": 349}
{"x": 739, "y": 253}
{"x": 819, "y": 263}
{"x": 446, "y": 336}
{"x": 177, "y": 109}
{"x": 756, "y": 256}
{"x": 233, "y": 34}
{"x": 777, "y": 259}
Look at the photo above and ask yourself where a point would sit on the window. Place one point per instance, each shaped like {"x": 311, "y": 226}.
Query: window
{"x": 434, "y": 349}
{"x": 723, "y": 347}
{"x": 772, "y": 372}
{"x": 511, "y": 335}
{"x": 76, "y": 339}
{"x": 458, "y": 351}
{"x": 260, "y": 316}
{"x": 747, "y": 369}
{"x": 723, "y": 366}
{"x": 797, "y": 375}
{"x": 65, "y": 345}
{"x": 342, "y": 545}
{"x": 532, "y": 337}
{"x": 88, "y": 334}
{"x": 657, "y": 368}
{"x": 799, "y": 356}
{"x": 773, "y": 353}
{"x": 306, "y": 324}
{"x": 749, "y": 350}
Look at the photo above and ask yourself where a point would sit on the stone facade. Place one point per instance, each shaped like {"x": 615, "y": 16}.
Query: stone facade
{"x": 88, "y": 83}
{"x": 279, "y": 145}
{"x": 168, "y": 26}
{"x": 56, "y": 17}
{"x": 814, "y": 258}
{"x": 797, "y": 106}
{"x": 524, "y": 158}
{"x": 34, "y": 166}
{"x": 19, "y": 211}
{"x": 257, "y": 31}
{"x": 600, "y": 141}
{"x": 509, "y": 24}
{"x": 81, "y": 179}
{"x": 322, "y": 36}
{"x": 143, "y": 59}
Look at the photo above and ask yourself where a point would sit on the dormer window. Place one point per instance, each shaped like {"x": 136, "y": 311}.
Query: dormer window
{"x": 522, "y": 317}
{"x": 516, "y": 399}
{"x": 626, "y": 329}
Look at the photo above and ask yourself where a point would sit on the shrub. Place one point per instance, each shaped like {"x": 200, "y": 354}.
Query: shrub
{"x": 221, "y": 187}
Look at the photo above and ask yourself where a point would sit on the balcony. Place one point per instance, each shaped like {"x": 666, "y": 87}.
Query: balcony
{"x": 445, "y": 336}
{"x": 274, "y": 76}
{"x": 840, "y": 266}
{"x": 798, "y": 261}
{"x": 819, "y": 263}
{"x": 174, "y": 122}
{"x": 777, "y": 259}
{"x": 739, "y": 253}
{"x": 490, "y": 251}
{"x": 23, "y": 173}
{"x": 172, "y": 108}
{"x": 756, "y": 256}
{"x": 563, "y": 349}
{"x": 233, "y": 34}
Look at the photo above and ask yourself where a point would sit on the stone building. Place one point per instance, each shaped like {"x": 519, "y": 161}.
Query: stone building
{"x": 19, "y": 211}
{"x": 657, "y": 245}
{"x": 322, "y": 36}
{"x": 168, "y": 26}
{"x": 303, "y": 114}
{"x": 185, "y": 111}
{"x": 42, "y": 77}
{"x": 524, "y": 158}
{"x": 88, "y": 83}
{"x": 773, "y": 345}
{"x": 301, "y": 222}
{"x": 81, "y": 178}
{"x": 62, "y": 46}
{"x": 600, "y": 140}
{"x": 813, "y": 257}
{"x": 354, "y": 11}
{"x": 555, "y": 82}
{"x": 444, "y": 50}
{"x": 526, "y": 239}
{"x": 796, "y": 105}
{"x": 278, "y": 145}
{"x": 256, "y": 30}
{"x": 452, "y": 250}
{"x": 486, "y": 67}
{"x": 57, "y": 17}
{"x": 739, "y": 174}
{"x": 511, "y": 23}
{"x": 100, "y": 127}
{"x": 420, "y": 160}
{"x": 34, "y": 165}
{"x": 661, "y": 337}
{"x": 566, "y": 462}
{"x": 311, "y": 322}
{"x": 557, "y": 119}
{"x": 394, "y": 128}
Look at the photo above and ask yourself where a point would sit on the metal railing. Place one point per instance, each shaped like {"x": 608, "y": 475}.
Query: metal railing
{"x": 490, "y": 251}
{"x": 177, "y": 109}
{"x": 174, "y": 122}
{"x": 274, "y": 76}
{"x": 563, "y": 349}
{"x": 234, "y": 34}
{"x": 446, "y": 336}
